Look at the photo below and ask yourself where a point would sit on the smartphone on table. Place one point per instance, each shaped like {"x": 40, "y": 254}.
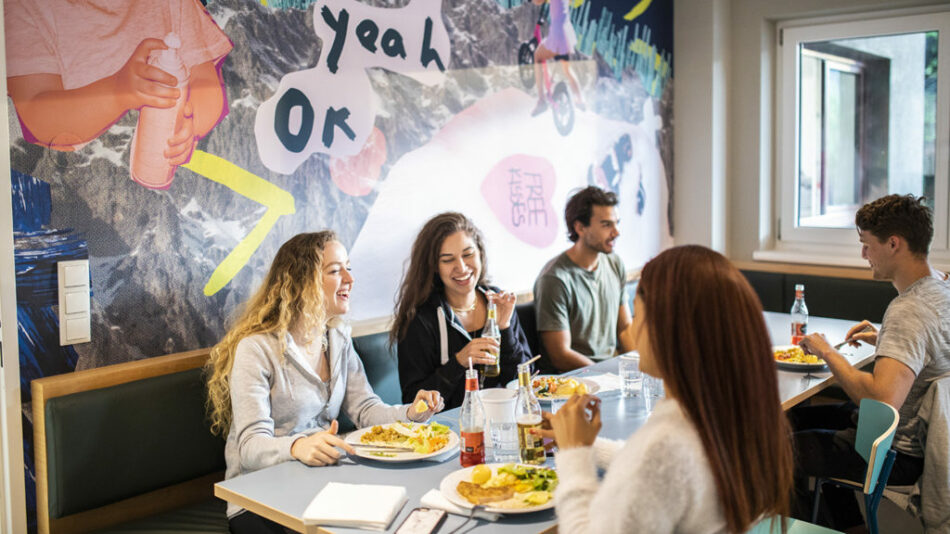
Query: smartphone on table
{"x": 422, "y": 521}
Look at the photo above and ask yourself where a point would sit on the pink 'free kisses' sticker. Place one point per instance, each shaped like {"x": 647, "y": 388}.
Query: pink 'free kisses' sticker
{"x": 519, "y": 189}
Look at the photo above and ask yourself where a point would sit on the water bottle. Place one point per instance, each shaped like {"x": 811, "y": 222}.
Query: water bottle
{"x": 156, "y": 126}
{"x": 472, "y": 423}
{"x": 799, "y": 315}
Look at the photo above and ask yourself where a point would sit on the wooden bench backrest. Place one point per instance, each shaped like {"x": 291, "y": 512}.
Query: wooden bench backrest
{"x": 120, "y": 378}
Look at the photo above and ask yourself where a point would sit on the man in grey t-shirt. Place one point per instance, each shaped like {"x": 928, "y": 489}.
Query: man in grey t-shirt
{"x": 579, "y": 295}
{"x": 912, "y": 350}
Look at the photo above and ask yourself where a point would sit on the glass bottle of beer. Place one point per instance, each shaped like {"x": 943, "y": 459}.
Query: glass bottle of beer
{"x": 528, "y": 416}
{"x": 472, "y": 423}
{"x": 491, "y": 331}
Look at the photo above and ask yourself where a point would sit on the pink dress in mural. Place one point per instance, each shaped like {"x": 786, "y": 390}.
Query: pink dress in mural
{"x": 561, "y": 38}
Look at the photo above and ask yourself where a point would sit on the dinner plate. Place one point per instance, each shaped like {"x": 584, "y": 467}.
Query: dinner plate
{"x": 792, "y": 366}
{"x": 592, "y": 387}
{"x": 398, "y": 456}
{"x": 451, "y": 481}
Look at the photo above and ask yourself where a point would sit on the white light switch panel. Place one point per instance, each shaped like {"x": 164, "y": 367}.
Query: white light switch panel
{"x": 74, "y": 323}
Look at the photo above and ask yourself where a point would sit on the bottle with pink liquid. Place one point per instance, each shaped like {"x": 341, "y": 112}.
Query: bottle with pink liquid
{"x": 157, "y": 125}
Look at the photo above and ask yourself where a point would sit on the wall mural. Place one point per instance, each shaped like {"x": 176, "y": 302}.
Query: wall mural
{"x": 177, "y": 143}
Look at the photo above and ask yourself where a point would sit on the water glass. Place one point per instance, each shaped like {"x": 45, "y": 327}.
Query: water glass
{"x": 653, "y": 387}
{"x": 652, "y": 391}
{"x": 504, "y": 442}
{"x": 502, "y": 435}
{"x": 631, "y": 378}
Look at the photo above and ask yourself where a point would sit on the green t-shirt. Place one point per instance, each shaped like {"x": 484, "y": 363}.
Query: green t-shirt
{"x": 586, "y": 303}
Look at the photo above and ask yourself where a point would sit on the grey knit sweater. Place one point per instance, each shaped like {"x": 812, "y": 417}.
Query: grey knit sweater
{"x": 276, "y": 400}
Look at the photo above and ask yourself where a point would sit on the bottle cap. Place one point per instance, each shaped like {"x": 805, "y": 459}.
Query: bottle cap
{"x": 169, "y": 60}
{"x": 172, "y": 40}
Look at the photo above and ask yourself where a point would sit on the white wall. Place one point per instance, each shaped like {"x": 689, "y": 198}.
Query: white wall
{"x": 747, "y": 27}
{"x": 700, "y": 105}
{"x": 12, "y": 492}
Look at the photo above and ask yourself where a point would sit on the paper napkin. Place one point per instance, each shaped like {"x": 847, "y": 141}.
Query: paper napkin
{"x": 435, "y": 499}
{"x": 606, "y": 381}
{"x": 368, "y": 506}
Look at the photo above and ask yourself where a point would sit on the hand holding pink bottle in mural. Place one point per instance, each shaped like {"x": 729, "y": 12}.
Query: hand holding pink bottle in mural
{"x": 140, "y": 82}
{"x": 164, "y": 137}
{"x": 74, "y": 69}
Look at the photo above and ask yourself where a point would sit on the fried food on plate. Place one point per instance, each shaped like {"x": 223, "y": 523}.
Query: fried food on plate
{"x": 476, "y": 494}
{"x": 795, "y": 354}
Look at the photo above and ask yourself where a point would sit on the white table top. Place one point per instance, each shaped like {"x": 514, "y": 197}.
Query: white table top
{"x": 796, "y": 386}
{"x": 282, "y": 492}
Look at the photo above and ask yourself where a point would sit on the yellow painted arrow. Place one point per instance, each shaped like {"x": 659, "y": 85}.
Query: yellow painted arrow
{"x": 278, "y": 202}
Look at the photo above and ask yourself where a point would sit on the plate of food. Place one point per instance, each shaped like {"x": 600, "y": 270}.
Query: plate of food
{"x": 793, "y": 358}
{"x": 502, "y": 488}
{"x": 553, "y": 387}
{"x": 403, "y": 442}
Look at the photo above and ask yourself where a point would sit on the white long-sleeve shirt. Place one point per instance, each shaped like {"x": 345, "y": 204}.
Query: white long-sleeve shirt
{"x": 658, "y": 481}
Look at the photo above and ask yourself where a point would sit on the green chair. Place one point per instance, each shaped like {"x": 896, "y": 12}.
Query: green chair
{"x": 877, "y": 423}
{"x": 773, "y": 525}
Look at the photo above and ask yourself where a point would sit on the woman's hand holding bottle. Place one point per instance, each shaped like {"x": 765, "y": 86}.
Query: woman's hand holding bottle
{"x": 480, "y": 351}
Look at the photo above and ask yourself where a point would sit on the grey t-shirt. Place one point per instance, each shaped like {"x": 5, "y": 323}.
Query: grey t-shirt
{"x": 916, "y": 332}
{"x": 586, "y": 303}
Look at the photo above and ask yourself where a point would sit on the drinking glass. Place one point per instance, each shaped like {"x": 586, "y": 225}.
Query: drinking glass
{"x": 653, "y": 386}
{"x": 652, "y": 391}
{"x": 631, "y": 378}
{"x": 502, "y": 432}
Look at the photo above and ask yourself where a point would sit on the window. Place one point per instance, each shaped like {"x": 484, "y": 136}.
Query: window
{"x": 862, "y": 111}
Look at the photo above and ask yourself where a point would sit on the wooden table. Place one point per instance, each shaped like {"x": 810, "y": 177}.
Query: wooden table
{"x": 282, "y": 492}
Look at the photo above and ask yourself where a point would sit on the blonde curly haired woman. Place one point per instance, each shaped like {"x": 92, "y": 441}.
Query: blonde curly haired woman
{"x": 287, "y": 367}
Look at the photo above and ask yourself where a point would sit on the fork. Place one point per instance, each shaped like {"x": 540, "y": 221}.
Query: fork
{"x": 845, "y": 342}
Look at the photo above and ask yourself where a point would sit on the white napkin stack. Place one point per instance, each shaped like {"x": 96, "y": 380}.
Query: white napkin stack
{"x": 606, "y": 381}
{"x": 367, "y": 506}
{"x": 435, "y": 499}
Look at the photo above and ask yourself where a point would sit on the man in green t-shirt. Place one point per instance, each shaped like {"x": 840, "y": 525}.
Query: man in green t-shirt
{"x": 579, "y": 295}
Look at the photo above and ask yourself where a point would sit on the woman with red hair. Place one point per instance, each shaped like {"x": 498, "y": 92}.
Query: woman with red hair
{"x": 715, "y": 454}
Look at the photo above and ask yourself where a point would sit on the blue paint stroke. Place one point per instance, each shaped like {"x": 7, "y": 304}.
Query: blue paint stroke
{"x": 31, "y": 203}
{"x": 37, "y": 250}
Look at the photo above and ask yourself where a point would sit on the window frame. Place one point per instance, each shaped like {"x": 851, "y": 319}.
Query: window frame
{"x": 835, "y": 245}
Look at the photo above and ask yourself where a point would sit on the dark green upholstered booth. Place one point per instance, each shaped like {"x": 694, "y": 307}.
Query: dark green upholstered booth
{"x": 125, "y": 442}
{"x": 382, "y": 368}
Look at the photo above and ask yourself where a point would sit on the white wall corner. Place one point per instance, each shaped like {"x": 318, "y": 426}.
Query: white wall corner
{"x": 12, "y": 490}
{"x": 700, "y": 146}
